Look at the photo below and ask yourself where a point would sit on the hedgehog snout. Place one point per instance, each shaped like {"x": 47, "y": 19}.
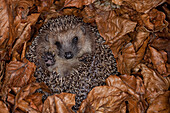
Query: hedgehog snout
{"x": 68, "y": 55}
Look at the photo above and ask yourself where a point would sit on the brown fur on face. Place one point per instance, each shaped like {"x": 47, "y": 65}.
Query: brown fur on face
{"x": 62, "y": 42}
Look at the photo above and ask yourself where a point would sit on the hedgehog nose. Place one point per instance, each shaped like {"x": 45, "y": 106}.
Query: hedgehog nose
{"x": 68, "y": 55}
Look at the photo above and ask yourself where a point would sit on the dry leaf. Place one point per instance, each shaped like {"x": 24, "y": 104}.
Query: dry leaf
{"x": 160, "y": 104}
{"x": 22, "y": 105}
{"x": 44, "y": 5}
{"x": 77, "y": 3}
{"x": 3, "y": 108}
{"x": 118, "y": 2}
{"x": 4, "y": 21}
{"x": 104, "y": 99}
{"x": 126, "y": 59}
{"x": 130, "y": 84}
{"x": 158, "y": 61}
{"x": 59, "y": 103}
{"x": 113, "y": 28}
{"x": 24, "y": 31}
{"x": 27, "y": 93}
{"x": 144, "y": 6}
{"x": 154, "y": 21}
{"x": 139, "y": 39}
{"x": 124, "y": 86}
{"x": 154, "y": 83}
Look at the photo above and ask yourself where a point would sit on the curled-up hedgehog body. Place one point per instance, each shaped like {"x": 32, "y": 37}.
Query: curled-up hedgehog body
{"x": 70, "y": 57}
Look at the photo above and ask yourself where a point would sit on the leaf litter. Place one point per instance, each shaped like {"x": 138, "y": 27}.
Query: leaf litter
{"x": 137, "y": 33}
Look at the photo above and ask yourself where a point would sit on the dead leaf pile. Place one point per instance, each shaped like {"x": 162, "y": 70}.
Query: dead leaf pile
{"x": 137, "y": 32}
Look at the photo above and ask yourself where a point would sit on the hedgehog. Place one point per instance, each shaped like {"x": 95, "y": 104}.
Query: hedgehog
{"x": 70, "y": 56}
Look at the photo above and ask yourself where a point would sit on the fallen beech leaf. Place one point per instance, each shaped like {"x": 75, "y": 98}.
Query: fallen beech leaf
{"x": 118, "y": 2}
{"x": 77, "y": 3}
{"x": 116, "y": 47}
{"x": 59, "y": 103}
{"x": 19, "y": 73}
{"x": 113, "y": 28}
{"x": 25, "y": 36}
{"x": 164, "y": 55}
{"x": 166, "y": 10}
{"x": 154, "y": 21}
{"x": 135, "y": 106}
{"x": 140, "y": 88}
{"x": 141, "y": 52}
{"x": 22, "y": 105}
{"x": 154, "y": 83}
{"x": 158, "y": 61}
{"x": 162, "y": 44}
{"x": 6, "y": 30}
{"x": 139, "y": 39}
{"x": 44, "y": 5}
{"x": 3, "y": 108}
{"x": 35, "y": 101}
{"x": 4, "y": 21}
{"x": 24, "y": 31}
{"x": 105, "y": 5}
{"x": 144, "y": 6}
{"x": 160, "y": 104}
{"x": 126, "y": 59}
{"x": 130, "y": 84}
{"x": 2, "y": 71}
{"x": 28, "y": 94}
{"x": 124, "y": 86}
{"x": 88, "y": 14}
{"x": 104, "y": 99}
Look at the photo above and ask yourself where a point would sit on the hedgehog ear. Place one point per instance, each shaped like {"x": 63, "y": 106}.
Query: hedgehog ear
{"x": 83, "y": 29}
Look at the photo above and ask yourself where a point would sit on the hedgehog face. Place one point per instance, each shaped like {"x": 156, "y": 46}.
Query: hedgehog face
{"x": 72, "y": 43}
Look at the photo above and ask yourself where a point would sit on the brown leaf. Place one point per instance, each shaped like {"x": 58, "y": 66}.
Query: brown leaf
{"x": 141, "y": 52}
{"x": 118, "y": 2}
{"x": 24, "y": 31}
{"x": 4, "y": 21}
{"x": 19, "y": 73}
{"x": 27, "y": 93}
{"x": 130, "y": 84}
{"x": 129, "y": 80}
{"x": 139, "y": 39}
{"x": 104, "y": 99}
{"x": 154, "y": 83}
{"x": 140, "y": 88}
{"x": 154, "y": 21}
{"x": 144, "y": 6}
{"x": 158, "y": 60}
{"x": 126, "y": 59}
{"x": 162, "y": 44}
{"x": 6, "y": 31}
{"x": 23, "y": 105}
{"x": 3, "y": 107}
{"x": 135, "y": 106}
{"x": 105, "y": 5}
{"x": 160, "y": 104}
{"x": 88, "y": 14}
{"x": 77, "y": 3}
{"x": 59, "y": 103}
{"x": 44, "y": 5}
{"x": 117, "y": 47}
{"x": 2, "y": 71}
{"x": 112, "y": 28}
{"x": 35, "y": 101}
{"x": 123, "y": 85}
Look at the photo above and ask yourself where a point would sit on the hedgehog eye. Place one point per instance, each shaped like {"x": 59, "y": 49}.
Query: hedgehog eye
{"x": 75, "y": 40}
{"x": 58, "y": 44}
